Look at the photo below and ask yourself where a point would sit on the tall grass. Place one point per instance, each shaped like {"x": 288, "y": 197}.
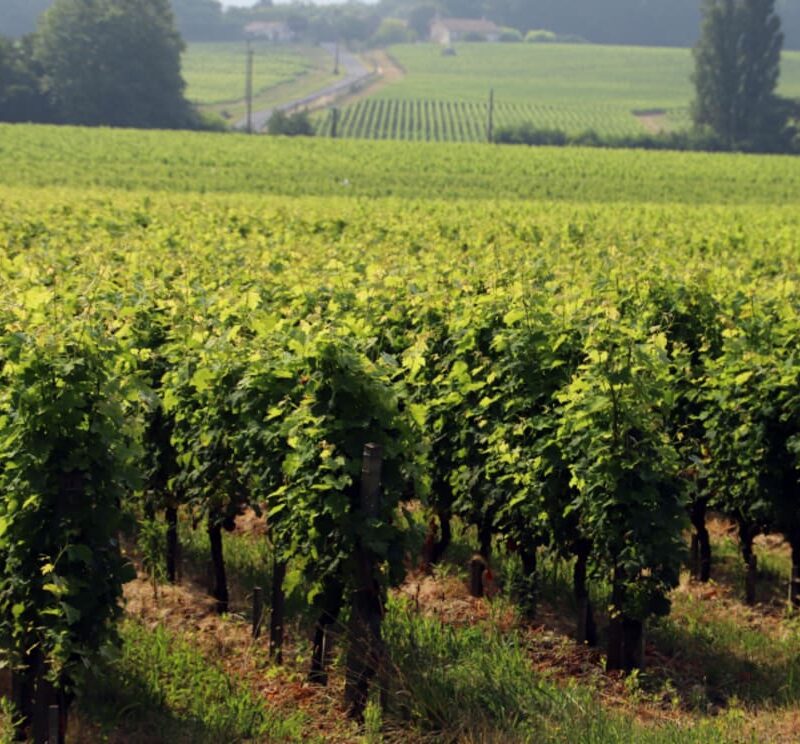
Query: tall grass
{"x": 475, "y": 684}
{"x": 161, "y": 686}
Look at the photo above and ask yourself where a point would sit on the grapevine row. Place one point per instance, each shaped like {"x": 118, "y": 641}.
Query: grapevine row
{"x": 461, "y": 121}
{"x": 571, "y": 382}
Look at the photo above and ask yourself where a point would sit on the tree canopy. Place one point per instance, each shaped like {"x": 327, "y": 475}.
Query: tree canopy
{"x": 113, "y": 62}
{"x": 737, "y": 66}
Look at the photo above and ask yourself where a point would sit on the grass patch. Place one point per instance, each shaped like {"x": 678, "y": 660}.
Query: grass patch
{"x": 162, "y": 689}
{"x": 475, "y": 684}
{"x": 734, "y": 655}
{"x": 7, "y": 714}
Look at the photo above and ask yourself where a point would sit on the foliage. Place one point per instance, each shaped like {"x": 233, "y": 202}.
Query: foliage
{"x": 623, "y": 467}
{"x": 296, "y": 124}
{"x": 420, "y": 18}
{"x": 20, "y": 96}
{"x": 737, "y": 66}
{"x": 112, "y": 63}
{"x": 392, "y": 31}
{"x": 528, "y": 134}
{"x": 66, "y": 466}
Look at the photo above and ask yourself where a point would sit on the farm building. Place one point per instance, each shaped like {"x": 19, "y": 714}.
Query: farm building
{"x": 276, "y": 31}
{"x": 449, "y": 30}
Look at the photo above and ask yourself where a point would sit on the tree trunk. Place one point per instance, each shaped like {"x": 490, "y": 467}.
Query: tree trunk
{"x": 366, "y": 653}
{"x": 476, "y": 568}
{"x": 633, "y": 644}
{"x": 446, "y": 536}
{"x": 365, "y": 650}
{"x": 220, "y": 589}
{"x": 586, "y": 629}
{"x": 323, "y": 637}
{"x": 276, "y": 621}
{"x": 794, "y": 579}
{"x": 173, "y": 547}
{"x": 616, "y": 634}
{"x": 485, "y": 538}
{"x": 746, "y": 537}
{"x": 701, "y": 554}
{"x": 530, "y": 563}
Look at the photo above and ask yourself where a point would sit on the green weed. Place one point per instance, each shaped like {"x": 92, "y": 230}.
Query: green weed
{"x": 161, "y": 685}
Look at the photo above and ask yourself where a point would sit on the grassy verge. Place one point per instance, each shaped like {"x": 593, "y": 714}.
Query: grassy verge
{"x": 161, "y": 689}
{"x": 465, "y": 670}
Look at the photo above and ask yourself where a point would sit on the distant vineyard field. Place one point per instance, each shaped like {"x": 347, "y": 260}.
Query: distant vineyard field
{"x": 215, "y": 72}
{"x": 71, "y": 157}
{"x": 467, "y": 121}
{"x": 571, "y": 87}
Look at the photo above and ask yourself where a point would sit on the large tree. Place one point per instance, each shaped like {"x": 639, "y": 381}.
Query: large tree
{"x": 113, "y": 62}
{"x": 21, "y": 98}
{"x": 737, "y": 66}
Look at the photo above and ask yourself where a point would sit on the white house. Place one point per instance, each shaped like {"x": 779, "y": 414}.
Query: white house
{"x": 276, "y": 31}
{"x": 449, "y": 30}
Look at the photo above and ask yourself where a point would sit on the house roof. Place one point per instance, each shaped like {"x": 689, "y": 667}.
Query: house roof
{"x": 468, "y": 25}
{"x": 262, "y": 26}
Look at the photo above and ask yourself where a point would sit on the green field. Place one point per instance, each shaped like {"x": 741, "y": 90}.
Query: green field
{"x": 215, "y": 75}
{"x": 568, "y": 87}
{"x": 215, "y": 71}
{"x": 196, "y": 162}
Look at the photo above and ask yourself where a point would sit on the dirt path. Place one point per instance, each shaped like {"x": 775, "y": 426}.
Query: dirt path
{"x": 654, "y": 123}
{"x": 356, "y": 74}
{"x": 388, "y": 71}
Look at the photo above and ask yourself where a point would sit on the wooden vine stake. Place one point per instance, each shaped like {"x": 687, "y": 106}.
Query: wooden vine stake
{"x": 477, "y": 566}
{"x": 276, "y": 620}
{"x": 54, "y": 725}
{"x": 365, "y": 654}
{"x": 258, "y": 611}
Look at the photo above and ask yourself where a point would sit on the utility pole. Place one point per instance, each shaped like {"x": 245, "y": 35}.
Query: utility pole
{"x": 248, "y": 87}
{"x": 336, "y": 59}
{"x": 490, "y": 125}
{"x": 334, "y": 122}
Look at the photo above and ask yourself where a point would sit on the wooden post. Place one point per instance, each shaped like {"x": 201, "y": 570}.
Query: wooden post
{"x": 173, "y": 549}
{"x": 334, "y": 122}
{"x": 330, "y": 604}
{"x": 365, "y": 654}
{"x": 476, "y": 568}
{"x": 54, "y": 725}
{"x": 490, "y": 125}
{"x": 276, "y": 619}
{"x": 220, "y": 590}
{"x": 586, "y": 631}
{"x": 751, "y": 570}
{"x": 634, "y": 644}
{"x": 248, "y": 93}
{"x": 258, "y": 610}
{"x": 794, "y": 587}
{"x": 694, "y": 557}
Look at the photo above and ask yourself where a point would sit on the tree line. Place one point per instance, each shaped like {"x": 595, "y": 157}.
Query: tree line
{"x": 98, "y": 62}
{"x": 647, "y": 22}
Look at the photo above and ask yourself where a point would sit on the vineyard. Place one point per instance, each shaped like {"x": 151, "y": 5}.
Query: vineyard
{"x": 570, "y": 87}
{"x": 460, "y": 121}
{"x": 559, "y": 400}
{"x": 76, "y": 158}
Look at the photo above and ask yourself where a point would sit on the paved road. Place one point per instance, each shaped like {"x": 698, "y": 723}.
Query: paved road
{"x": 355, "y": 73}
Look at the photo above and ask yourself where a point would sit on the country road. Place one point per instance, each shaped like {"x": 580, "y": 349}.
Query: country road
{"x": 355, "y": 74}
